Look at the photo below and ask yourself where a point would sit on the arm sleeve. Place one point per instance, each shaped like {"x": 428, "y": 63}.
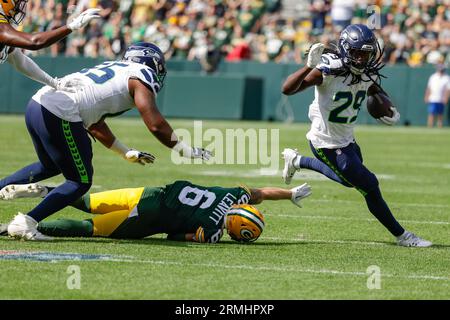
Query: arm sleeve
{"x": 29, "y": 68}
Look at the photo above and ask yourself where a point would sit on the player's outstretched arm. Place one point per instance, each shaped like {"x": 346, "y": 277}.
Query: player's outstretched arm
{"x": 146, "y": 104}
{"x": 273, "y": 193}
{"x": 103, "y": 133}
{"x": 29, "y": 68}
{"x": 35, "y": 41}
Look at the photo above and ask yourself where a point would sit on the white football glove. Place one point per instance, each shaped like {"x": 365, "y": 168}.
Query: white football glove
{"x": 192, "y": 152}
{"x": 83, "y": 19}
{"x": 389, "y": 121}
{"x": 142, "y": 158}
{"x": 69, "y": 85}
{"x": 299, "y": 193}
{"x": 315, "y": 55}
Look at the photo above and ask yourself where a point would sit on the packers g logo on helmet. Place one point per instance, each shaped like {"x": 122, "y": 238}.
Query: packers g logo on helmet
{"x": 13, "y": 10}
{"x": 244, "y": 223}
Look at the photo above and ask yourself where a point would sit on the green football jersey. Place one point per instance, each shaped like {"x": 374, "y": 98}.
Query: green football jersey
{"x": 200, "y": 210}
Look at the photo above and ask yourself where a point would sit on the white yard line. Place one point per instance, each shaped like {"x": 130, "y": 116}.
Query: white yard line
{"x": 282, "y": 269}
{"x": 353, "y": 219}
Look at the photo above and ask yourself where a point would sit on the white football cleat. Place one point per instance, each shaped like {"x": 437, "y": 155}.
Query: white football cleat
{"x": 25, "y": 227}
{"x": 289, "y": 155}
{"x": 15, "y": 191}
{"x": 409, "y": 239}
{"x": 299, "y": 193}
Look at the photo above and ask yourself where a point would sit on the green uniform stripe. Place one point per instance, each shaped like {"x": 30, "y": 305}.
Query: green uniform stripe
{"x": 246, "y": 217}
{"x": 328, "y": 162}
{"x": 74, "y": 152}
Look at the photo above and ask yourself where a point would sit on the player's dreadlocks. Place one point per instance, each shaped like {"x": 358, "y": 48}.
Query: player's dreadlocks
{"x": 372, "y": 69}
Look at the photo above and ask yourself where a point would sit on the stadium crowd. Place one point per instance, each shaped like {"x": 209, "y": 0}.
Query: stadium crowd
{"x": 415, "y": 32}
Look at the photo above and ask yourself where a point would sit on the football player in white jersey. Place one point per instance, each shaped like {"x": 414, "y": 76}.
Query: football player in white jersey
{"x": 342, "y": 80}
{"x": 12, "y": 12}
{"x": 58, "y": 122}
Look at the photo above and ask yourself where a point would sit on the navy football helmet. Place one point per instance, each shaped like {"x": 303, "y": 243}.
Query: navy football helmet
{"x": 150, "y": 55}
{"x": 358, "y": 48}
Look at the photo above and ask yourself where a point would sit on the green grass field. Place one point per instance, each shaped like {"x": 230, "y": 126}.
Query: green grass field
{"x": 321, "y": 251}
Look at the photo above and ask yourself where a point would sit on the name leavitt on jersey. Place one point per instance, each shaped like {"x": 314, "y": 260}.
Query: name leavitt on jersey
{"x": 197, "y": 207}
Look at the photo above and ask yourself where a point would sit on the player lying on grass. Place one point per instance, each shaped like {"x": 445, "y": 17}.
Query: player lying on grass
{"x": 58, "y": 123}
{"x": 342, "y": 80}
{"x": 185, "y": 211}
{"x": 12, "y": 13}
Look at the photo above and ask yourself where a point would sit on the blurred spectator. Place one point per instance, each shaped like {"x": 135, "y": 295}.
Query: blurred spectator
{"x": 437, "y": 95}
{"x": 319, "y": 10}
{"x": 342, "y": 13}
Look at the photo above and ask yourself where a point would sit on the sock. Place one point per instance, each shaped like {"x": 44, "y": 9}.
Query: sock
{"x": 378, "y": 207}
{"x": 67, "y": 228}
{"x": 33, "y": 173}
{"x": 83, "y": 203}
{"x": 59, "y": 198}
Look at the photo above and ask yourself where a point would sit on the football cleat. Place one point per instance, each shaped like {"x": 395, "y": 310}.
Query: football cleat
{"x": 409, "y": 239}
{"x": 15, "y": 191}
{"x": 25, "y": 227}
{"x": 244, "y": 223}
{"x": 289, "y": 155}
{"x": 299, "y": 193}
{"x": 3, "y": 229}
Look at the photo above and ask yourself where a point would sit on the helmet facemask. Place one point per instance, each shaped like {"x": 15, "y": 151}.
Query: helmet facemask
{"x": 17, "y": 13}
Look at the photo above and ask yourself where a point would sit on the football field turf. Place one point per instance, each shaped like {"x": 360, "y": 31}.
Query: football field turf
{"x": 326, "y": 250}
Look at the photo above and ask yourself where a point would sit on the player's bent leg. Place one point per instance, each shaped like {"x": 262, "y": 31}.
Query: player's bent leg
{"x": 325, "y": 164}
{"x": 59, "y": 198}
{"x": 32, "y": 173}
{"x": 106, "y": 224}
{"x": 67, "y": 228}
{"x": 114, "y": 200}
{"x": 348, "y": 165}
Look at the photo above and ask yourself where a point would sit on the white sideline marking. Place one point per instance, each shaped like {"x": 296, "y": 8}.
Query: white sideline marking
{"x": 328, "y": 241}
{"x": 403, "y": 204}
{"x": 281, "y": 269}
{"x": 353, "y": 219}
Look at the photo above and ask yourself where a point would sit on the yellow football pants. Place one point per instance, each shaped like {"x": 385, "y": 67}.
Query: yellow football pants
{"x": 112, "y": 208}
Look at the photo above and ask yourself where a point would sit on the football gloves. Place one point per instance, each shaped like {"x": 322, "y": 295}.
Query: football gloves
{"x": 390, "y": 121}
{"x": 299, "y": 193}
{"x": 315, "y": 55}
{"x": 83, "y": 19}
{"x": 192, "y": 152}
{"x": 140, "y": 157}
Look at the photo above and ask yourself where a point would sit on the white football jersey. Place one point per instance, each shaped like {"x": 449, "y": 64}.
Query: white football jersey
{"x": 3, "y": 53}
{"x": 104, "y": 94}
{"x": 334, "y": 111}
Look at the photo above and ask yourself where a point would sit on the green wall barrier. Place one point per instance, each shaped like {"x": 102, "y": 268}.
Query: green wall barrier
{"x": 242, "y": 90}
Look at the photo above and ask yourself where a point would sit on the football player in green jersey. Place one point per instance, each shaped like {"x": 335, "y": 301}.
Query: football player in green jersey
{"x": 183, "y": 210}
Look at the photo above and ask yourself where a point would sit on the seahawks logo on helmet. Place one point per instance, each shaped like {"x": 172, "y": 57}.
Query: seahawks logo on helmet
{"x": 244, "y": 223}
{"x": 150, "y": 55}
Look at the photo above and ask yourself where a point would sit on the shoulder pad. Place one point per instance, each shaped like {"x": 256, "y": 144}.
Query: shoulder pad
{"x": 331, "y": 64}
{"x": 147, "y": 76}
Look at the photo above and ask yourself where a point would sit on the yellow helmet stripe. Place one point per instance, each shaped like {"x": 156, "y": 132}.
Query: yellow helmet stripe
{"x": 249, "y": 215}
